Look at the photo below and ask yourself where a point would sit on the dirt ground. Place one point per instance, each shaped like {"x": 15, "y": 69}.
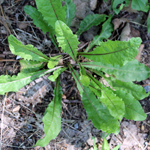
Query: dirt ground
{"x": 21, "y": 114}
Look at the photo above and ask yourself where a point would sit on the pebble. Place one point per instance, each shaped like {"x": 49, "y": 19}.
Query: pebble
{"x": 147, "y": 88}
{"x": 93, "y": 4}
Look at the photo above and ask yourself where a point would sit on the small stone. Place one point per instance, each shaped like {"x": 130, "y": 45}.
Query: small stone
{"x": 76, "y": 125}
{"x": 147, "y": 88}
{"x": 93, "y": 4}
{"x": 16, "y": 109}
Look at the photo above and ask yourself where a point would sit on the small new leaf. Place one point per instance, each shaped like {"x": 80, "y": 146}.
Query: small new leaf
{"x": 85, "y": 80}
{"x": 53, "y": 61}
{"x": 56, "y": 74}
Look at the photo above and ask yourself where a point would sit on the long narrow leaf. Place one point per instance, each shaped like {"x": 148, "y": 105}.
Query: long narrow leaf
{"x": 107, "y": 28}
{"x": 52, "y": 117}
{"x": 140, "y": 5}
{"x": 67, "y": 40}
{"x": 89, "y": 21}
{"x": 133, "y": 109}
{"x": 30, "y": 66}
{"x": 28, "y": 52}
{"x": 40, "y": 22}
{"x": 114, "y": 52}
{"x": 110, "y": 100}
{"x": 14, "y": 83}
{"x": 97, "y": 113}
{"x": 132, "y": 71}
{"x": 70, "y": 11}
{"x": 135, "y": 90}
{"x": 51, "y": 10}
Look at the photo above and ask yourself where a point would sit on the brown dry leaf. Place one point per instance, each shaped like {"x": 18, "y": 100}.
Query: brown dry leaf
{"x": 22, "y": 25}
{"x": 64, "y": 96}
{"x": 125, "y": 34}
{"x": 129, "y": 9}
{"x": 118, "y": 21}
{"x": 16, "y": 109}
{"x": 34, "y": 92}
{"x": 138, "y": 57}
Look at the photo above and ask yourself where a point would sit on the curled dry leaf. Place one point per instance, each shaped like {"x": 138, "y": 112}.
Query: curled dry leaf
{"x": 125, "y": 34}
{"x": 138, "y": 57}
{"x": 16, "y": 109}
{"x": 34, "y": 92}
{"x": 129, "y": 9}
{"x": 118, "y": 21}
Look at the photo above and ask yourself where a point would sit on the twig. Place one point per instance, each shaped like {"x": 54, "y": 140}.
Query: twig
{"x": 4, "y": 19}
{"x": 2, "y": 120}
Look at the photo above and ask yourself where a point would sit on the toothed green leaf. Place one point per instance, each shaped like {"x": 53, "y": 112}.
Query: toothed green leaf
{"x": 115, "y": 3}
{"x": 105, "y": 145}
{"x": 135, "y": 90}
{"x": 66, "y": 39}
{"x": 109, "y": 99}
{"x": 107, "y": 28}
{"x": 133, "y": 109}
{"x": 140, "y": 5}
{"x": 85, "y": 80}
{"x": 97, "y": 113}
{"x": 51, "y": 10}
{"x": 52, "y": 117}
{"x": 28, "y": 52}
{"x": 115, "y": 52}
{"x": 30, "y": 66}
{"x": 132, "y": 71}
{"x": 14, "y": 83}
{"x": 70, "y": 11}
{"x": 40, "y": 22}
{"x": 53, "y": 61}
{"x": 56, "y": 74}
{"x": 89, "y": 21}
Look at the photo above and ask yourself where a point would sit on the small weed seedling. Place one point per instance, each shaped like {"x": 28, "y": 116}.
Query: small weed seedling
{"x": 112, "y": 61}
